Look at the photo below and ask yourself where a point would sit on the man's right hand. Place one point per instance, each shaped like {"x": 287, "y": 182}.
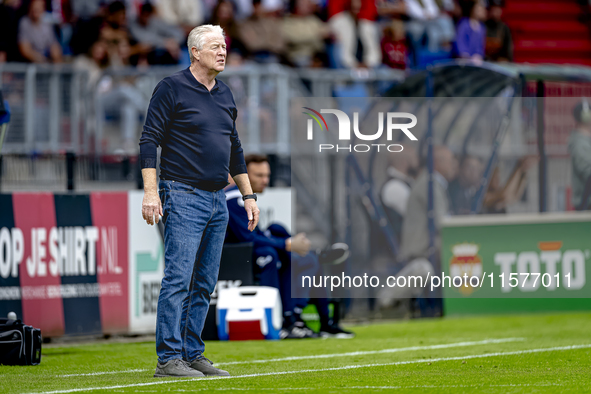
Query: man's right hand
{"x": 299, "y": 244}
{"x": 151, "y": 207}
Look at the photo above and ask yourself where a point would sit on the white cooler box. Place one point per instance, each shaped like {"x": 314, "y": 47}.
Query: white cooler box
{"x": 249, "y": 312}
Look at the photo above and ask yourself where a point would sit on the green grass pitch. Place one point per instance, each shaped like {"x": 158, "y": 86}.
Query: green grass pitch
{"x": 543, "y": 353}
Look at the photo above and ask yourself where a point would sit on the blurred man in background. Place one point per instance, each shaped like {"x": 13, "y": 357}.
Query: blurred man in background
{"x": 36, "y": 40}
{"x": 9, "y": 21}
{"x": 415, "y": 232}
{"x": 262, "y": 35}
{"x": 499, "y": 42}
{"x": 274, "y": 253}
{"x": 162, "y": 39}
{"x": 415, "y": 249}
{"x": 579, "y": 147}
{"x": 396, "y": 190}
{"x": 498, "y": 196}
{"x": 463, "y": 189}
{"x": 304, "y": 33}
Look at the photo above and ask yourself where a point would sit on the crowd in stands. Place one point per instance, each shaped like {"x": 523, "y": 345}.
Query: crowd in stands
{"x": 300, "y": 33}
{"x": 455, "y": 185}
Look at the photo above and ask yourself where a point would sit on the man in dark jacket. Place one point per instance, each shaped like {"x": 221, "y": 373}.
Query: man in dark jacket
{"x": 276, "y": 252}
{"x": 499, "y": 43}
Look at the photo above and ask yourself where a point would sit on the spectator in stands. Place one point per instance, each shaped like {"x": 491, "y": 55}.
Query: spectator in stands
{"x": 9, "y": 17}
{"x": 428, "y": 19}
{"x": 36, "y": 39}
{"x": 579, "y": 147}
{"x": 162, "y": 39}
{"x": 463, "y": 189}
{"x": 498, "y": 197}
{"x": 394, "y": 51}
{"x": 262, "y": 36}
{"x": 350, "y": 21}
{"x": 185, "y": 14}
{"x": 275, "y": 250}
{"x": 223, "y": 15}
{"x": 499, "y": 43}
{"x": 471, "y": 32}
{"x": 414, "y": 247}
{"x": 394, "y": 194}
{"x": 115, "y": 34}
{"x": 304, "y": 33}
{"x": 87, "y": 20}
{"x": 396, "y": 190}
{"x": 415, "y": 232}
{"x": 94, "y": 63}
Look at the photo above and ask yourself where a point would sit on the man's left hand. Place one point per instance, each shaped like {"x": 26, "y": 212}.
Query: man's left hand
{"x": 252, "y": 211}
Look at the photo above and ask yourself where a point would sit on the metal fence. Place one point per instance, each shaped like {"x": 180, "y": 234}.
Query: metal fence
{"x": 62, "y": 108}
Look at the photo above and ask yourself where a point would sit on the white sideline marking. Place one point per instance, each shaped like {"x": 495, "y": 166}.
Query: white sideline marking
{"x": 331, "y": 355}
{"x": 254, "y": 375}
{"x": 101, "y": 373}
{"x": 444, "y": 386}
{"x": 395, "y": 350}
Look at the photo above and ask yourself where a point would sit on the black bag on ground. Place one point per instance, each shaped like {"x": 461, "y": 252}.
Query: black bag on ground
{"x": 19, "y": 344}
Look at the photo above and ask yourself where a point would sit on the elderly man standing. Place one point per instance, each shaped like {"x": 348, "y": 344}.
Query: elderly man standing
{"x": 192, "y": 116}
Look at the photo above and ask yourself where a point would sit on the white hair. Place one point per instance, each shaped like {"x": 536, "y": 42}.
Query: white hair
{"x": 197, "y": 35}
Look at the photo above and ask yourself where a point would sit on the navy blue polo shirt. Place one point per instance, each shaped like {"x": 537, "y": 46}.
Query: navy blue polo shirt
{"x": 196, "y": 129}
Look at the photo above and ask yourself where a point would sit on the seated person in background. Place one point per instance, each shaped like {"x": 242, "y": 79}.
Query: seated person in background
{"x": 401, "y": 173}
{"x": 579, "y": 147}
{"x": 426, "y": 18}
{"x": 94, "y": 62}
{"x": 463, "y": 189}
{"x": 9, "y": 21}
{"x": 471, "y": 32}
{"x": 499, "y": 43}
{"x": 396, "y": 190}
{"x": 115, "y": 34}
{"x": 414, "y": 248}
{"x": 36, "y": 40}
{"x": 275, "y": 250}
{"x": 394, "y": 45}
{"x": 262, "y": 36}
{"x": 415, "y": 239}
{"x": 304, "y": 33}
{"x": 497, "y": 198}
{"x": 162, "y": 39}
{"x": 223, "y": 15}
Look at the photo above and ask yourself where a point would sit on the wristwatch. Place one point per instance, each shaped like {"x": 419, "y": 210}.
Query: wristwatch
{"x": 246, "y": 197}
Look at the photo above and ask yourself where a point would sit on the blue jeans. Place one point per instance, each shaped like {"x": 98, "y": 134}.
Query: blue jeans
{"x": 194, "y": 228}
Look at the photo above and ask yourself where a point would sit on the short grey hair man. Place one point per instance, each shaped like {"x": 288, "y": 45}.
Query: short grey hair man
{"x": 197, "y": 35}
